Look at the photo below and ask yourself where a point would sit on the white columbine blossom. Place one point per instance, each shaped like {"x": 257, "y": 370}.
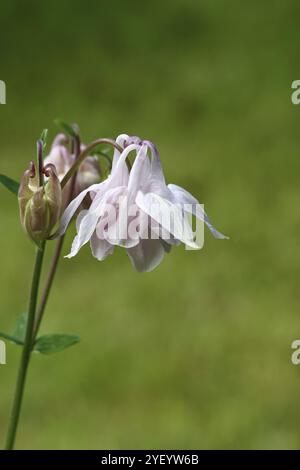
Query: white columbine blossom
{"x": 135, "y": 209}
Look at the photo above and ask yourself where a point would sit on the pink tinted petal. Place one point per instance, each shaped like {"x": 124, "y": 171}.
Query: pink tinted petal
{"x": 156, "y": 168}
{"x": 165, "y": 236}
{"x": 73, "y": 206}
{"x": 61, "y": 158}
{"x": 140, "y": 172}
{"x": 60, "y": 139}
{"x": 120, "y": 140}
{"x": 79, "y": 218}
{"x": 88, "y": 222}
{"x": 100, "y": 248}
{"x": 88, "y": 173}
{"x": 181, "y": 196}
{"x": 147, "y": 255}
{"x": 86, "y": 229}
{"x": 116, "y": 218}
{"x": 119, "y": 175}
{"x": 74, "y": 250}
{"x": 88, "y": 225}
{"x": 168, "y": 215}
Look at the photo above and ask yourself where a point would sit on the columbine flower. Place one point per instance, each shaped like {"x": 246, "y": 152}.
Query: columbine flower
{"x": 157, "y": 211}
{"x": 40, "y": 206}
{"x": 88, "y": 173}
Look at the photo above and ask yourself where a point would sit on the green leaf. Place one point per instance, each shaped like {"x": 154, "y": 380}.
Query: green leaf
{"x": 10, "y": 184}
{"x": 11, "y": 338}
{"x": 20, "y": 328}
{"x": 49, "y": 344}
{"x": 18, "y": 335}
{"x": 66, "y": 128}
{"x": 43, "y": 137}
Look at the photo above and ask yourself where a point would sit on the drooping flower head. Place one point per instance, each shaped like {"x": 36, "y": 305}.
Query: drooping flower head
{"x": 135, "y": 209}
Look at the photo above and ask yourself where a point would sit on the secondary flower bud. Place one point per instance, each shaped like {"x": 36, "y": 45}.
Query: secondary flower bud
{"x": 40, "y": 206}
{"x": 88, "y": 173}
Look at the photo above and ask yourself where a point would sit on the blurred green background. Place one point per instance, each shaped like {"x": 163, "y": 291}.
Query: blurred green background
{"x": 196, "y": 354}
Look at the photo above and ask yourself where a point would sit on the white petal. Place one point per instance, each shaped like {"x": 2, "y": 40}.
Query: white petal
{"x": 168, "y": 215}
{"x": 140, "y": 171}
{"x": 89, "y": 222}
{"x": 156, "y": 168}
{"x": 100, "y": 248}
{"x": 119, "y": 174}
{"x": 73, "y": 206}
{"x": 113, "y": 226}
{"x": 61, "y": 158}
{"x": 86, "y": 229}
{"x": 182, "y": 196}
{"x": 147, "y": 255}
{"x": 79, "y": 218}
{"x": 120, "y": 141}
{"x": 59, "y": 139}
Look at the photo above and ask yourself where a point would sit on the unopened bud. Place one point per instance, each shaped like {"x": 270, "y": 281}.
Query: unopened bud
{"x": 89, "y": 173}
{"x": 39, "y": 205}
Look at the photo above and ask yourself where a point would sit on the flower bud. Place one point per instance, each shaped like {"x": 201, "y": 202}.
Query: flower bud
{"x": 88, "y": 173}
{"x": 39, "y": 205}
{"x": 60, "y": 156}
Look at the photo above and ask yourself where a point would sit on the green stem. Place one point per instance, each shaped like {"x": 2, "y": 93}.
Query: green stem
{"x": 48, "y": 285}
{"x": 19, "y": 391}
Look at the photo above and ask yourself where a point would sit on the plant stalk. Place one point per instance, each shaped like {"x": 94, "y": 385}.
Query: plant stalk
{"x": 35, "y": 316}
{"x": 19, "y": 391}
{"x": 48, "y": 285}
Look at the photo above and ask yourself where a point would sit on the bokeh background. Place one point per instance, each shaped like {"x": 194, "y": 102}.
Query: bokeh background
{"x": 196, "y": 354}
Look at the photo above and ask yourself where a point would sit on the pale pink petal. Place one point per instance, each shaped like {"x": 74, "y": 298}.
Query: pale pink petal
{"x": 60, "y": 139}
{"x": 156, "y": 168}
{"x": 119, "y": 175}
{"x": 147, "y": 255}
{"x": 73, "y": 206}
{"x": 120, "y": 140}
{"x": 61, "y": 158}
{"x": 116, "y": 220}
{"x": 87, "y": 226}
{"x": 79, "y": 218}
{"x": 168, "y": 215}
{"x": 100, "y": 248}
{"x": 140, "y": 172}
{"x": 182, "y": 196}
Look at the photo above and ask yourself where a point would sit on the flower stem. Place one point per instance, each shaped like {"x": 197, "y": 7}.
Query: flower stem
{"x": 19, "y": 391}
{"x": 48, "y": 285}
